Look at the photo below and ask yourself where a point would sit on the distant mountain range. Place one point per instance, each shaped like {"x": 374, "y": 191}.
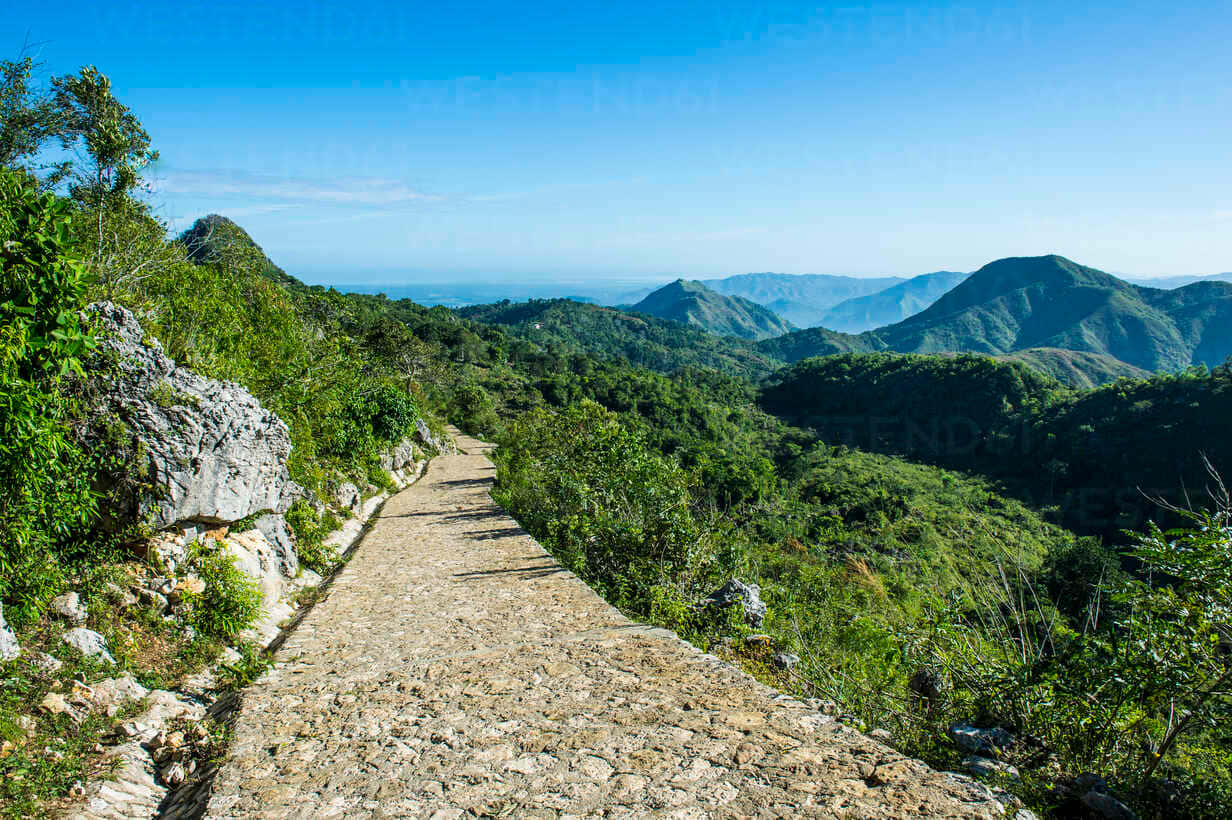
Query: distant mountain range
{"x": 692, "y": 303}
{"x": 801, "y": 299}
{"x": 1013, "y": 305}
{"x": 1173, "y": 282}
{"x": 894, "y": 304}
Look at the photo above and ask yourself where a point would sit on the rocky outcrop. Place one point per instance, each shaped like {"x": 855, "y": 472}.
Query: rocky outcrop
{"x": 425, "y": 436}
{"x": 213, "y": 452}
{"x": 737, "y": 592}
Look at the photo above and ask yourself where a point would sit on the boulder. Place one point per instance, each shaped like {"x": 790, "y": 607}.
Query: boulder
{"x": 786, "y": 660}
{"x": 111, "y": 694}
{"x": 256, "y": 557}
{"x": 89, "y": 643}
{"x": 215, "y": 454}
{"x": 280, "y": 536}
{"x": 399, "y": 456}
{"x": 167, "y": 550}
{"x": 980, "y": 741}
{"x": 69, "y": 607}
{"x": 53, "y": 703}
{"x": 737, "y": 592}
{"x": 984, "y": 767}
{"x": 347, "y": 498}
{"x": 9, "y": 648}
{"x": 1106, "y": 806}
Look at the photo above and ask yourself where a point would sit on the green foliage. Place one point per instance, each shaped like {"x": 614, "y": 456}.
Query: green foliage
{"x": 231, "y": 601}
{"x": 29, "y": 120}
{"x": 310, "y": 531}
{"x": 1096, "y": 457}
{"x": 115, "y": 143}
{"x": 1076, "y": 368}
{"x": 306, "y": 354}
{"x": 621, "y": 517}
{"x": 561, "y": 327}
{"x": 253, "y": 663}
{"x": 47, "y": 497}
{"x": 1018, "y": 304}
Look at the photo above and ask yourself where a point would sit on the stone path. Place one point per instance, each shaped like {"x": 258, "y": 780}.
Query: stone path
{"x": 455, "y": 669}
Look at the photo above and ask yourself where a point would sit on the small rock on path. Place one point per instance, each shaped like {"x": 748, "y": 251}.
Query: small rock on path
{"x": 455, "y": 669}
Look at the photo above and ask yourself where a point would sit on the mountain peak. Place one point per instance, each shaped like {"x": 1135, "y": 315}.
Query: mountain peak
{"x": 695, "y": 304}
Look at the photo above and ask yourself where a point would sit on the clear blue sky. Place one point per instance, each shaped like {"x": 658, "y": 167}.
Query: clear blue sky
{"x": 441, "y": 141}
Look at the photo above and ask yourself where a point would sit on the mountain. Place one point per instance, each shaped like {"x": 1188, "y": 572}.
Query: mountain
{"x": 1050, "y": 302}
{"x": 215, "y": 239}
{"x": 891, "y": 305}
{"x": 641, "y": 340}
{"x": 801, "y": 299}
{"x": 1173, "y": 282}
{"x": 692, "y": 303}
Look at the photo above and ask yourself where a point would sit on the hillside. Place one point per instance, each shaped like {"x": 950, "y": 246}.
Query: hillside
{"x": 892, "y": 305}
{"x": 692, "y": 303}
{"x": 215, "y": 239}
{"x": 1022, "y": 303}
{"x": 1075, "y": 368}
{"x": 801, "y": 299}
{"x": 641, "y": 340}
{"x": 817, "y": 341}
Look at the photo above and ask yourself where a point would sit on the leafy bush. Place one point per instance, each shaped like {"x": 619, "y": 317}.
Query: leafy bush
{"x": 310, "y": 531}
{"x": 620, "y": 516}
{"x": 46, "y": 496}
{"x": 231, "y": 601}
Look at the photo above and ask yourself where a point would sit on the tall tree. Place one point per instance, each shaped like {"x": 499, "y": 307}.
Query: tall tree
{"x": 127, "y": 242}
{"x": 30, "y": 118}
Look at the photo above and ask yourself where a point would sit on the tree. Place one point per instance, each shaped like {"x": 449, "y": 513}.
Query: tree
{"x": 127, "y": 242}
{"x": 30, "y": 118}
{"x": 1182, "y": 619}
{"x": 117, "y": 148}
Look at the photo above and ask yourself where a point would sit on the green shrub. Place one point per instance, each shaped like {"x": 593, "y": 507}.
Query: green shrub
{"x": 231, "y": 601}
{"x": 46, "y": 492}
{"x": 310, "y": 531}
{"x": 623, "y": 518}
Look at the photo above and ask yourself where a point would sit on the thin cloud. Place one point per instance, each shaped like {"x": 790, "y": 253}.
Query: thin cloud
{"x": 344, "y": 191}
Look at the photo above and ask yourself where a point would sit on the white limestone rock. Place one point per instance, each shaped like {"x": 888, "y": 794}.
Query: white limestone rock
{"x": 9, "y": 648}
{"x": 89, "y": 643}
{"x": 215, "y": 453}
{"x": 69, "y": 607}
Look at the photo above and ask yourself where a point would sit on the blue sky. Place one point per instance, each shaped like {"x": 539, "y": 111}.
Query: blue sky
{"x": 579, "y": 140}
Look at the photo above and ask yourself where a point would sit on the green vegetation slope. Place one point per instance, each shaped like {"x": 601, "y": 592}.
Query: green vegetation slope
{"x": 1050, "y": 302}
{"x": 692, "y": 303}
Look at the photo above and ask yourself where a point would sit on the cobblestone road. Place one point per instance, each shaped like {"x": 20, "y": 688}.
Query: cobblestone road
{"x": 455, "y": 669}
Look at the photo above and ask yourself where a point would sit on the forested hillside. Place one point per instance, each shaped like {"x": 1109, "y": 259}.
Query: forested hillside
{"x": 692, "y": 303}
{"x": 641, "y": 340}
{"x": 1018, "y": 304}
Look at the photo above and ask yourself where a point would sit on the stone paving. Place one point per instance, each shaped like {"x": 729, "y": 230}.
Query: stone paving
{"x": 454, "y": 669}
